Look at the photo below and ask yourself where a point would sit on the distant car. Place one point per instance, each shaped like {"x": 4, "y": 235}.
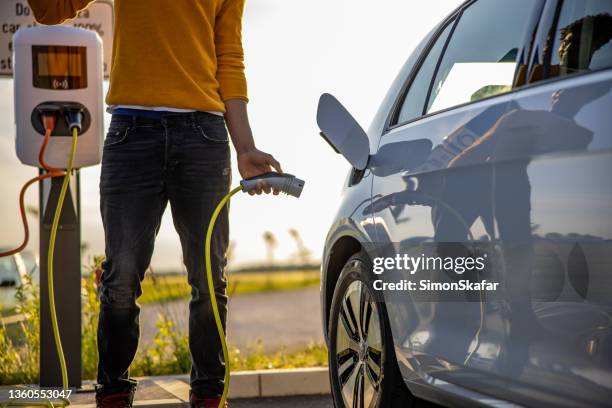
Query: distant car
{"x": 13, "y": 270}
{"x": 496, "y": 135}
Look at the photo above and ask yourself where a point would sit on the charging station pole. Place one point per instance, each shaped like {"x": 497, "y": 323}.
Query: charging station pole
{"x": 67, "y": 284}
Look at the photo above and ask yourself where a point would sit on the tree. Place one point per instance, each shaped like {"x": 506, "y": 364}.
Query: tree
{"x": 302, "y": 254}
{"x": 271, "y": 244}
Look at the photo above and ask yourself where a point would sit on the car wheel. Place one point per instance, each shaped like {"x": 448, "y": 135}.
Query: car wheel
{"x": 363, "y": 368}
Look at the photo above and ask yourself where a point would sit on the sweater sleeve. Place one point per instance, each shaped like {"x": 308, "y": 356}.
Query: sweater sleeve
{"x": 56, "y": 11}
{"x": 228, "y": 47}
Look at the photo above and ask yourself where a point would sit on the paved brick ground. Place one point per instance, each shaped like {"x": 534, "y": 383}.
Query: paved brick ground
{"x": 152, "y": 394}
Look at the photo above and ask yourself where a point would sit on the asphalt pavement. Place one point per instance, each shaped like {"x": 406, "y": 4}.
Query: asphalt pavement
{"x": 288, "y": 402}
{"x": 286, "y": 319}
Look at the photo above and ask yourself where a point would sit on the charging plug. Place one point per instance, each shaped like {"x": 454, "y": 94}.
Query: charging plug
{"x": 48, "y": 116}
{"x": 74, "y": 118}
{"x": 284, "y": 182}
{"x": 49, "y": 120}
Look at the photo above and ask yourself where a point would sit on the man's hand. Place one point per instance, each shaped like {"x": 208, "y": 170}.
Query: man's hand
{"x": 251, "y": 161}
{"x": 254, "y": 162}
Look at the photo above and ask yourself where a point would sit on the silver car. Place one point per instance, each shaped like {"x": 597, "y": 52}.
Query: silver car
{"x": 494, "y": 140}
{"x": 13, "y": 271}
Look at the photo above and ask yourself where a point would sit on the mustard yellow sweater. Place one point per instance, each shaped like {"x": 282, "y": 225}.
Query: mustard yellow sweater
{"x": 177, "y": 53}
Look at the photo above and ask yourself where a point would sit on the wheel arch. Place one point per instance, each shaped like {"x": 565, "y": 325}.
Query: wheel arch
{"x": 342, "y": 249}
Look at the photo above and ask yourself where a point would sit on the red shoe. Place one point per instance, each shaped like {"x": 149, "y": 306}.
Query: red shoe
{"x": 115, "y": 399}
{"x": 197, "y": 402}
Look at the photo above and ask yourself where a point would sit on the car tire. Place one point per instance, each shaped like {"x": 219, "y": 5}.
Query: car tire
{"x": 362, "y": 364}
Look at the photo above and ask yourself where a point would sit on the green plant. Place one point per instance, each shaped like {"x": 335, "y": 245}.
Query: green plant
{"x": 19, "y": 355}
{"x": 8, "y": 357}
{"x": 169, "y": 351}
{"x": 89, "y": 322}
{"x": 169, "y": 354}
{"x": 315, "y": 355}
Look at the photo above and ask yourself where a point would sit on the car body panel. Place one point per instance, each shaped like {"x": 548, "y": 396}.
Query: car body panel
{"x": 351, "y": 222}
{"x": 555, "y": 181}
{"x": 410, "y": 210}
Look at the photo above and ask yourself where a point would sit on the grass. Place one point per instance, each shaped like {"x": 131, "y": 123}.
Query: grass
{"x": 169, "y": 351}
{"x": 164, "y": 288}
{"x": 169, "y": 354}
{"x": 315, "y": 355}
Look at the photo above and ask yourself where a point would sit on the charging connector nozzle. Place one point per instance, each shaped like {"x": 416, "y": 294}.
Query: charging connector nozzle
{"x": 74, "y": 118}
{"x": 48, "y": 114}
{"x": 49, "y": 121}
{"x": 284, "y": 182}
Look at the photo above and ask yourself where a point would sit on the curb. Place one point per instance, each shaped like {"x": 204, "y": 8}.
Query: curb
{"x": 279, "y": 383}
{"x": 243, "y": 384}
{"x": 5, "y": 321}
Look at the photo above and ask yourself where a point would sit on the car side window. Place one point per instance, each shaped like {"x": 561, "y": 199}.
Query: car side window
{"x": 8, "y": 270}
{"x": 582, "y": 38}
{"x": 480, "y": 59}
{"x": 414, "y": 100}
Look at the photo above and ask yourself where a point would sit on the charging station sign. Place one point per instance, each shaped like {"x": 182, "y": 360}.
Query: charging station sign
{"x": 15, "y": 14}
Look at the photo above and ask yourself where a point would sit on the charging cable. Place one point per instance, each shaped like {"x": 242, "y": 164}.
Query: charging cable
{"x": 51, "y": 251}
{"x": 73, "y": 119}
{"x": 49, "y": 119}
{"x": 285, "y": 183}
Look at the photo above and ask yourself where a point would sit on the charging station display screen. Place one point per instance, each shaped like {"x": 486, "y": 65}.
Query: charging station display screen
{"x": 59, "y": 67}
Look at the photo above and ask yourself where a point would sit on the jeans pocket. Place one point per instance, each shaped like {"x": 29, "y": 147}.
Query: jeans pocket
{"x": 213, "y": 131}
{"x": 116, "y": 136}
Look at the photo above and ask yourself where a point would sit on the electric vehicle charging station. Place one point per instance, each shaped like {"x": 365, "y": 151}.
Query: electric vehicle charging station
{"x": 59, "y": 70}
{"x": 58, "y": 66}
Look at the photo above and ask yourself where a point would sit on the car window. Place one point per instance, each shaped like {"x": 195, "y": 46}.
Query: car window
{"x": 582, "y": 39}
{"x": 414, "y": 100}
{"x": 480, "y": 58}
{"x": 8, "y": 270}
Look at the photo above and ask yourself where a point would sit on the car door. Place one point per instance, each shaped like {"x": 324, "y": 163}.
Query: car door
{"x": 553, "y": 212}
{"x": 432, "y": 188}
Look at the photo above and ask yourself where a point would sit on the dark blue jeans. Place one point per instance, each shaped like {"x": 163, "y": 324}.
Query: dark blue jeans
{"x": 182, "y": 159}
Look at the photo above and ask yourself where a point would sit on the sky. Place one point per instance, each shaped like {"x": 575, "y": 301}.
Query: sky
{"x": 294, "y": 52}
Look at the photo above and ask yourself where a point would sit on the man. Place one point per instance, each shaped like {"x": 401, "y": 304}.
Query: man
{"x": 177, "y": 78}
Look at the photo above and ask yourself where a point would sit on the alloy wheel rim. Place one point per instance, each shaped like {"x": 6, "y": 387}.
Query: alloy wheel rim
{"x": 359, "y": 347}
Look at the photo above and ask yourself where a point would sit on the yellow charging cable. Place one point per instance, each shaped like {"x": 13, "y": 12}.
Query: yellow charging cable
{"x": 54, "y": 227}
{"x": 211, "y": 290}
{"x": 56, "y": 335}
{"x": 286, "y": 183}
